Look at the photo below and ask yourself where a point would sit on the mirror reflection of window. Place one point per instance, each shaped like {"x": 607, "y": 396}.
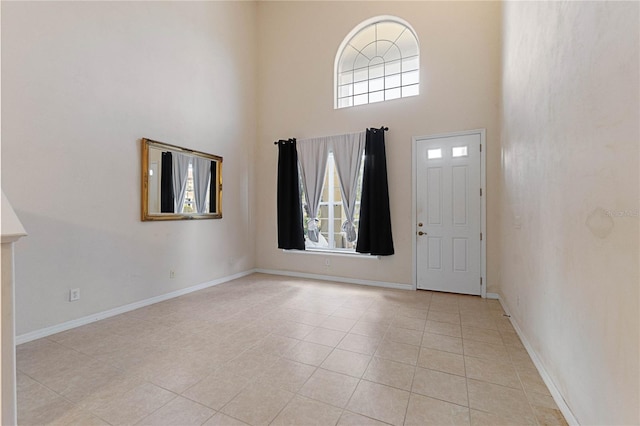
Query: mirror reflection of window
{"x": 189, "y": 201}
{"x": 190, "y": 195}
{"x": 188, "y": 204}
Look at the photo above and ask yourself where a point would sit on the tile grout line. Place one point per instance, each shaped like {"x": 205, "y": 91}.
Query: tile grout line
{"x": 318, "y": 367}
{"x": 73, "y": 403}
{"x": 415, "y": 370}
{"x": 464, "y": 363}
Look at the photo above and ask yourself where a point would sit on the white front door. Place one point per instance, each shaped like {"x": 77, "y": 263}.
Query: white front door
{"x": 448, "y": 213}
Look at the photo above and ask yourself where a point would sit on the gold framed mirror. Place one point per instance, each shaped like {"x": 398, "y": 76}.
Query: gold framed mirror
{"x": 180, "y": 183}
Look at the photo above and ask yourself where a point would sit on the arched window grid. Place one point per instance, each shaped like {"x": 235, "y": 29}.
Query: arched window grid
{"x": 381, "y": 69}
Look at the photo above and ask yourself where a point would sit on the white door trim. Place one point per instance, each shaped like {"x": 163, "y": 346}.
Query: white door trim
{"x": 483, "y": 202}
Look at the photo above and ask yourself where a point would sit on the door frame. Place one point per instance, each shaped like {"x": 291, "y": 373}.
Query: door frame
{"x": 483, "y": 201}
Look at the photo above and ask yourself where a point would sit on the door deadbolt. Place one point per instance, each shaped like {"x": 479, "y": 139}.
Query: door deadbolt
{"x": 420, "y": 224}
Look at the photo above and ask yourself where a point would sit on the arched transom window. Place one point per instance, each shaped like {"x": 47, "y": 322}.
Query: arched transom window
{"x": 379, "y": 60}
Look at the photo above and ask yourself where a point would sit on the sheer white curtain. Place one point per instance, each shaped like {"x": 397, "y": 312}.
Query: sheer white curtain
{"x": 201, "y": 177}
{"x": 347, "y": 154}
{"x": 312, "y": 155}
{"x": 180, "y": 173}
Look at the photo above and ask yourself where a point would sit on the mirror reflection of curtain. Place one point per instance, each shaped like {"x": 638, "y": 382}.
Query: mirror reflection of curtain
{"x": 213, "y": 188}
{"x": 313, "y": 154}
{"x": 167, "y": 203}
{"x": 201, "y": 176}
{"x": 180, "y": 174}
{"x": 347, "y": 154}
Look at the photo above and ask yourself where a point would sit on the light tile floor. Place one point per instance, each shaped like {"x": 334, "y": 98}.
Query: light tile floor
{"x": 282, "y": 351}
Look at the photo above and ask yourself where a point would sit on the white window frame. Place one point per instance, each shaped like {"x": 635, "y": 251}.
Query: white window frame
{"x": 331, "y": 203}
{"x": 363, "y": 25}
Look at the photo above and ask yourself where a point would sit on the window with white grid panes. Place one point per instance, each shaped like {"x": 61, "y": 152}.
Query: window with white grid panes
{"x": 378, "y": 61}
{"x": 331, "y": 212}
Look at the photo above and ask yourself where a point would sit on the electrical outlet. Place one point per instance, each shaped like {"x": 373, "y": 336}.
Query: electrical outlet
{"x": 74, "y": 294}
{"x": 172, "y": 274}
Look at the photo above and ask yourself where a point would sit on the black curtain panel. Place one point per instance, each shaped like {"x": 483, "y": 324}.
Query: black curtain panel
{"x": 374, "y": 229}
{"x": 290, "y": 229}
{"x": 166, "y": 184}
{"x": 213, "y": 188}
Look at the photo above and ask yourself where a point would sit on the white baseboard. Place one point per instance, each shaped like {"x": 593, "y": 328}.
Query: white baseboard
{"x": 48, "y": 331}
{"x": 494, "y": 296}
{"x": 336, "y": 279}
{"x": 555, "y": 392}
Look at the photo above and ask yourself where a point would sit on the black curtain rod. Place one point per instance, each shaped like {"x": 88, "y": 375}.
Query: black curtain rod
{"x": 285, "y": 141}
{"x": 293, "y": 139}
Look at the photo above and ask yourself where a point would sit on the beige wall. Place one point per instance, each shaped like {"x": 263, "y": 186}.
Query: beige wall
{"x": 570, "y": 153}
{"x": 82, "y": 83}
{"x": 460, "y": 75}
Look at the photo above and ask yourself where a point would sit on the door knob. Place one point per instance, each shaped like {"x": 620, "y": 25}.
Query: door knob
{"x": 422, "y": 233}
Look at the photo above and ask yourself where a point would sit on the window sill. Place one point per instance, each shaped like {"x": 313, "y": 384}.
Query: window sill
{"x": 323, "y": 252}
